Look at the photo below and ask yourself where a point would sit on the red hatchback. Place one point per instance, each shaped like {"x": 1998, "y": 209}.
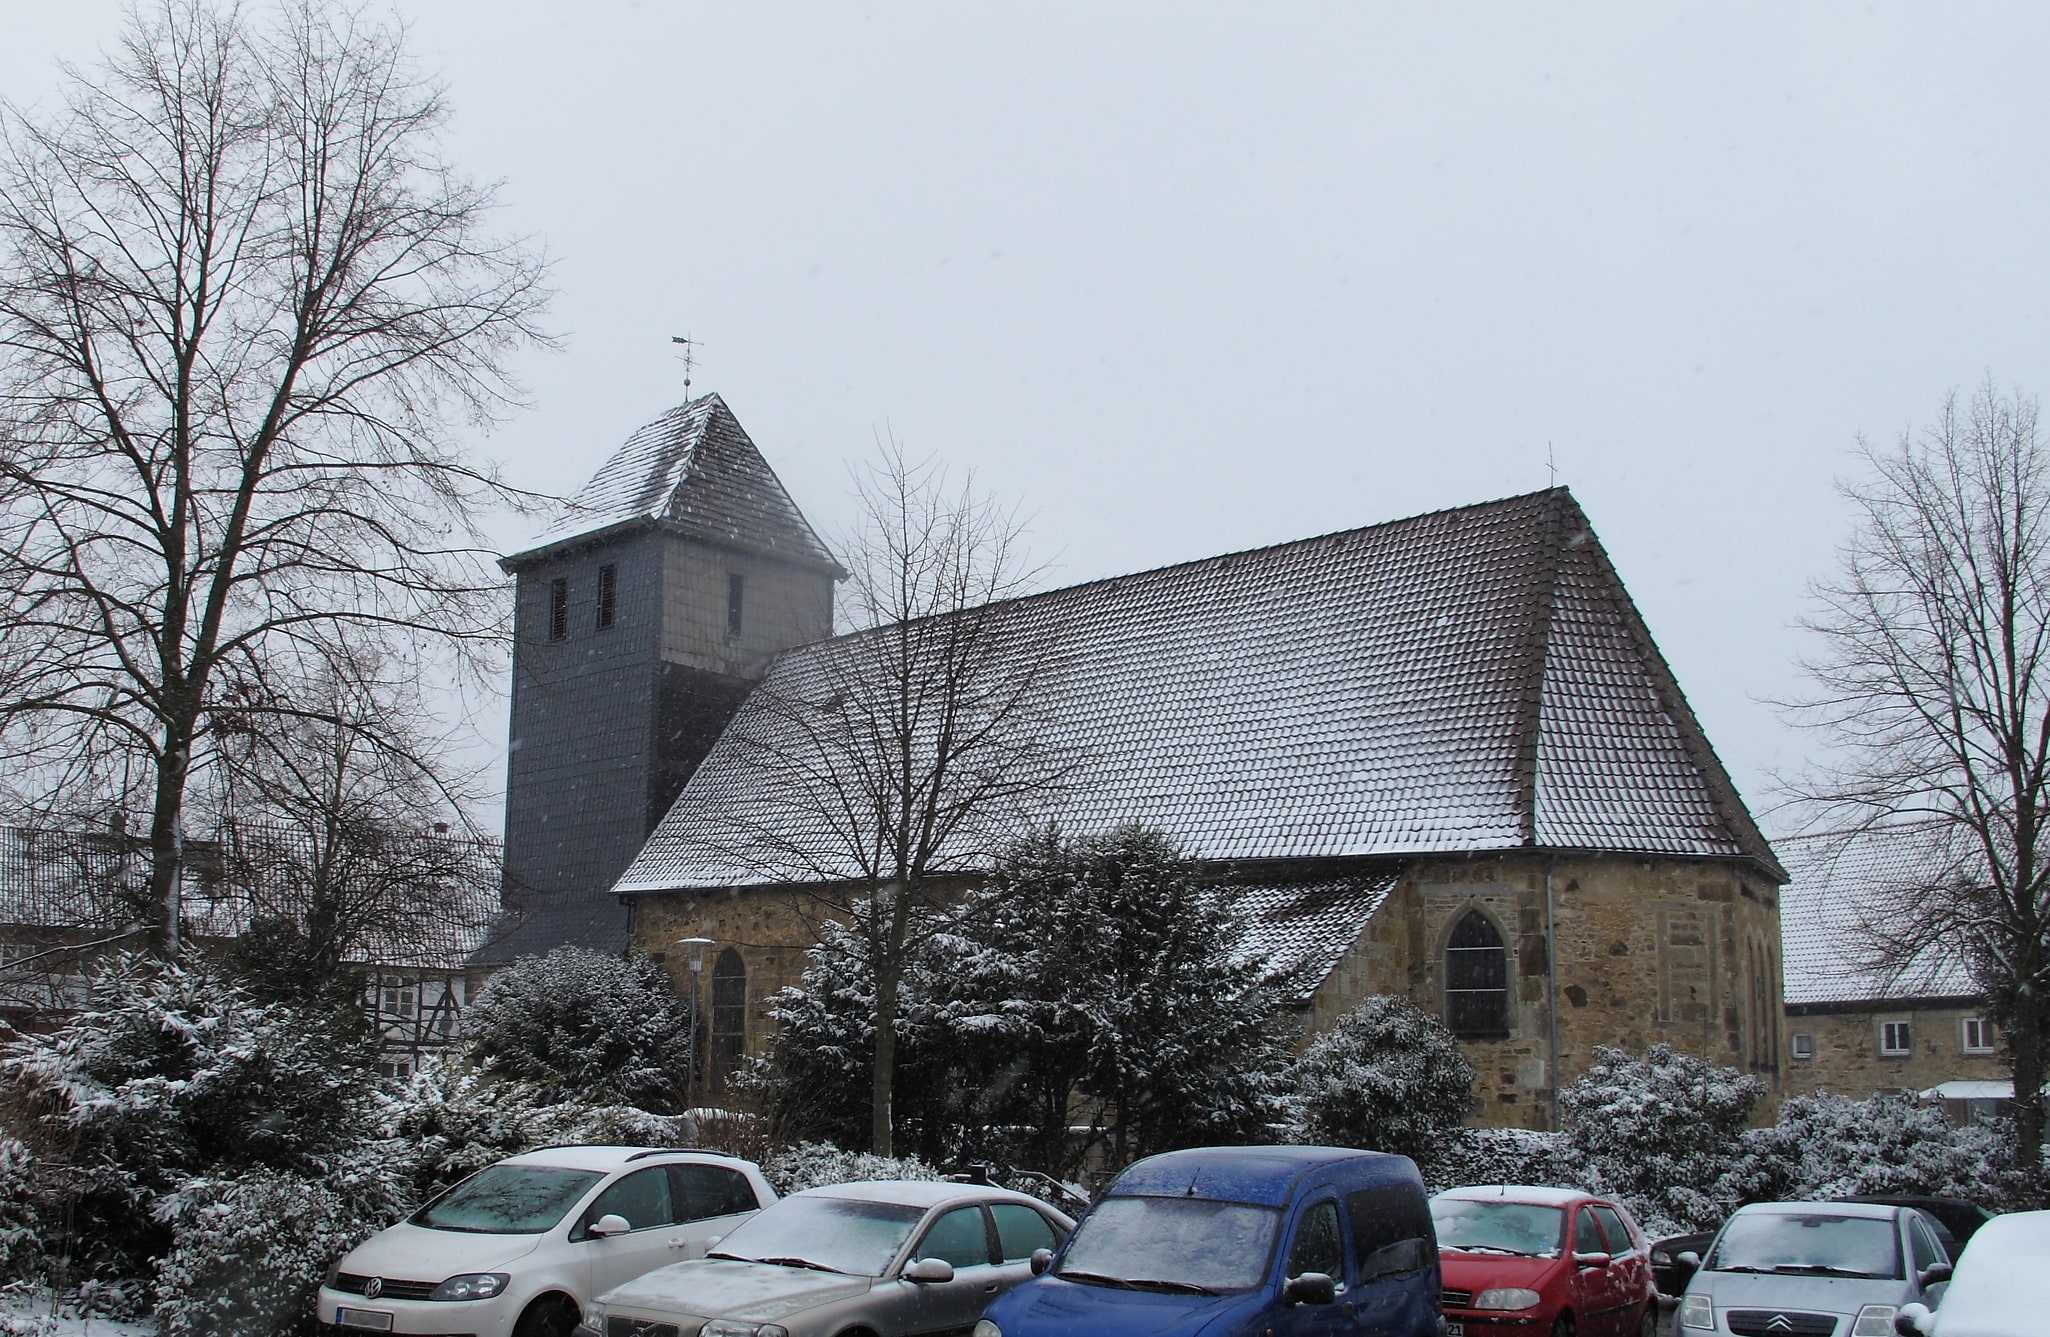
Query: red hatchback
{"x": 1535, "y": 1262}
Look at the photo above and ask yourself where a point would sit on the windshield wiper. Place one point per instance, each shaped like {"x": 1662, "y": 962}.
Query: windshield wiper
{"x": 795, "y": 1262}
{"x": 1162, "y": 1284}
{"x": 1488, "y": 1248}
{"x": 1825, "y": 1269}
{"x": 1094, "y": 1278}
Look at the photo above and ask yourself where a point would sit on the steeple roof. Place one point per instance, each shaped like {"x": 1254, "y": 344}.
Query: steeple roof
{"x": 695, "y": 470}
{"x": 1469, "y": 680}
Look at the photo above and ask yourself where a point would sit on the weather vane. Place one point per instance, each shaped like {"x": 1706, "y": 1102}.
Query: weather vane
{"x": 1551, "y": 467}
{"x": 690, "y": 348}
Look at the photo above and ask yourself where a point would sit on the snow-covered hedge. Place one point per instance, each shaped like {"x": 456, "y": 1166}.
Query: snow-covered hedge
{"x": 1502, "y": 1156}
{"x": 1387, "y": 1076}
{"x": 1829, "y": 1146}
{"x": 810, "y": 1164}
{"x": 585, "y": 1027}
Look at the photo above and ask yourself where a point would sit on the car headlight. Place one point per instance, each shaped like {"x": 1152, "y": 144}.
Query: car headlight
{"x": 733, "y": 1327}
{"x": 985, "y": 1328}
{"x": 471, "y": 1286}
{"x": 1506, "y": 1297}
{"x": 1874, "y": 1321}
{"x": 1697, "y": 1311}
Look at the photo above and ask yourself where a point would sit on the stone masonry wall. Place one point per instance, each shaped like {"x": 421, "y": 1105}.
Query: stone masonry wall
{"x": 1848, "y": 1060}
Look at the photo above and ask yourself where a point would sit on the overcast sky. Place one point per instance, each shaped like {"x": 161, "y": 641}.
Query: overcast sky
{"x": 1182, "y": 279}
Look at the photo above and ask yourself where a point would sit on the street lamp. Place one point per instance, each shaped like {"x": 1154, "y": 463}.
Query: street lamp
{"x": 696, "y": 947}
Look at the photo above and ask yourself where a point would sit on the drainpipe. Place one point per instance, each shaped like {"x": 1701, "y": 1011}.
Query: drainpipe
{"x": 1552, "y": 988}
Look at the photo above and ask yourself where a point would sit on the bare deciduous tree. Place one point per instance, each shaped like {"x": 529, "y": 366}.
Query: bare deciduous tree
{"x": 1935, "y": 689}
{"x": 241, "y": 296}
{"x": 903, "y": 755}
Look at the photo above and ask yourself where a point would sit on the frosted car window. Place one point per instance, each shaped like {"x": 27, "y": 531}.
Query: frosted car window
{"x": 1175, "y": 1242}
{"x": 959, "y": 1237}
{"x": 1498, "y": 1227}
{"x": 1020, "y": 1230}
{"x": 839, "y": 1234}
{"x": 508, "y": 1200}
{"x": 1587, "y": 1235}
{"x": 1614, "y": 1231}
{"x": 642, "y": 1198}
{"x": 1927, "y": 1254}
{"x": 1317, "y": 1246}
{"x": 1818, "y": 1243}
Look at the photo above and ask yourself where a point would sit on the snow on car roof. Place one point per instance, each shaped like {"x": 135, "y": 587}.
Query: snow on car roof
{"x": 910, "y": 1192}
{"x": 1532, "y": 1193}
{"x": 2000, "y": 1285}
{"x": 601, "y": 1158}
{"x": 1873, "y": 1209}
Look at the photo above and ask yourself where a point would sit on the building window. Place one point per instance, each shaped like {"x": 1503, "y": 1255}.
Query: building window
{"x": 398, "y": 1069}
{"x": 1476, "y": 978}
{"x": 729, "y": 1018}
{"x": 735, "y": 588}
{"x": 608, "y": 595}
{"x": 1801, "y": 1045}
{"x": 1978, "y": 1035}
{"x": 1894, "y": 1038}
{"x": 558, "y": 609}
{"x": 398, "y": 1002}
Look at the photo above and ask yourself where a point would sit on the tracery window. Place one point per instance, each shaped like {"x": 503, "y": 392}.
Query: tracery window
{"x": 729, "y": 1017}
{"x": 1476, "y": 978}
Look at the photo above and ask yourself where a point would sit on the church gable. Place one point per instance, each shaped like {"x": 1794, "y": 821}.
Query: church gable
{"x": 1464, "y": 681}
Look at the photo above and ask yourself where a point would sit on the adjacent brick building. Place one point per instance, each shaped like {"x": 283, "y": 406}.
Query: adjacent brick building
{"x": 1442, "y": 755}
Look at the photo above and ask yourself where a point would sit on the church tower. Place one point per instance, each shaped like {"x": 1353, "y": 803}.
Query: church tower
{"x": 642, "y": 619}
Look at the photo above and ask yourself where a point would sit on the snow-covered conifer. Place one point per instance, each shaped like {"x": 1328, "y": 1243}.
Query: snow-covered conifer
{"x": 1388, "y": 1077}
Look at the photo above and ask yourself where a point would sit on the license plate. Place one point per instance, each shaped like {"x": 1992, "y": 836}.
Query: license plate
{"x": 375, "y": 1319}
{"x": 1454, "y": 1328}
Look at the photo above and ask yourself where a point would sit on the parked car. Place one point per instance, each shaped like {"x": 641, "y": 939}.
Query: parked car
{"x": 1518, "y": 1259}
{"x": 1807, "y": 1269}
{"x": 1674, "y": 1259}
{"x": 2000, "y": 1289}
{"x": 1956, "y": 1219}
{"x": 518, "y": 1249}
{"x": 882, "y": 1257}
{"x": 1240, "y": 1242}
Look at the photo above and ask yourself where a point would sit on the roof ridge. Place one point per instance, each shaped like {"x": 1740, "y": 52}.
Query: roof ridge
{"x": 1190, "y": 563}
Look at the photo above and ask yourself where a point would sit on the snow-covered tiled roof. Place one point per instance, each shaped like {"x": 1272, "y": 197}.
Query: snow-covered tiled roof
{"x": 694, "y": 468}
{"x": 1835, "y": 910}
{"x": 1468, "y": 680}
{"x": 1299, "y": 930}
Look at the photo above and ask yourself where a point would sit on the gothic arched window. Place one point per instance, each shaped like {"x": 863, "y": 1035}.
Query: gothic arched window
{"x": 1476, "y": 978}
{"x": 729, "y": 1018}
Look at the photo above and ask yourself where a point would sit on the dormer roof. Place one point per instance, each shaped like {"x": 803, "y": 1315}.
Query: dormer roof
{"x": 695, "y": 471}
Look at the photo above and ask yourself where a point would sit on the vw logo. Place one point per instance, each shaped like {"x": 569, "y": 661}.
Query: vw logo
{"x": 1779, "y": 1323}
{"x": 373, "y": 1288}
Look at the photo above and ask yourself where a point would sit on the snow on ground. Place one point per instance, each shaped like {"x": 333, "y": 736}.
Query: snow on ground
{"x": 19, "y": 1318}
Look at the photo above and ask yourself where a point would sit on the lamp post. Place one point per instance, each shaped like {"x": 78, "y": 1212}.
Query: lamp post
{"x": 696, "y": 947}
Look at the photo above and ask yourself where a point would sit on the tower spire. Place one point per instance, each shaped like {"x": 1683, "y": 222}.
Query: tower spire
{"x": 690, "y": 349}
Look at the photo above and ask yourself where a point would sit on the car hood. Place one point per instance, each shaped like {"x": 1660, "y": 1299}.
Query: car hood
{"x": 415, "y": 1253}
{"x": 1479, "y": 1271}
{"x": 729, "y": 1288}
{"x": 1836, "y": 1295}
{"x": 1051, "y": 1307}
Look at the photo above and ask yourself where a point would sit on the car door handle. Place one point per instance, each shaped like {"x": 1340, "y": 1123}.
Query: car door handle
{"x": 679, "y": 1244}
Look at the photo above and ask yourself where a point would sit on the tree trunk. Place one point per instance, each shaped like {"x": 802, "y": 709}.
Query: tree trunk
{"x": 167, "y": 843}
{"x": 882, "y": 1076}
{"x": 2025, "y": 1051}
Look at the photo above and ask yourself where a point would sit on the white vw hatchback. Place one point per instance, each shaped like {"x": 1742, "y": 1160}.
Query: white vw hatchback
{"x": 518, "y": 1248}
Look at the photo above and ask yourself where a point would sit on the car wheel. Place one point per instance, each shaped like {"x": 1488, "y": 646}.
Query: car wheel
{"x": 1649, "y": 1326}
{"x": 549, "y": 1316}
{"x": 1562, "y": 1326}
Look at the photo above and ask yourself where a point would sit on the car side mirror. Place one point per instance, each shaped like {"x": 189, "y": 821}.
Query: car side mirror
{"x": 612, "y": 1223}
{"x": 1042, "y": 1259}
{"x": 1687, "y": 1258}
{"x": 1934, "y": 1273}
{"x": 1590, "y": 1260}
{"x": 930, "y": 1271}
{"x": 1912, "y": 1320}
{"x": 1311, "y": 1288}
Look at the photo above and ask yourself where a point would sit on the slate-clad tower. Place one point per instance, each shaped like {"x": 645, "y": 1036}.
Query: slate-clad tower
{"x": 642, "y": 619}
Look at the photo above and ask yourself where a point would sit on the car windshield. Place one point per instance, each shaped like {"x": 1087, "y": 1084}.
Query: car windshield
{"x": 508, "y": 1200}
{"x": 1817, "y": 1243}
{"x": 1177, "y": 1244}
{"x": 830, "y": 1234}
{"x": 1493, "y": 1225}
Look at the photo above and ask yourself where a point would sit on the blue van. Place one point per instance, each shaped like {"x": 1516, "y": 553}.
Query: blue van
{"x": 1240, "y": 1242}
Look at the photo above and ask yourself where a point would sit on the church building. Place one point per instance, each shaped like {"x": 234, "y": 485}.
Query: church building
{"x": 1440, "y": 755}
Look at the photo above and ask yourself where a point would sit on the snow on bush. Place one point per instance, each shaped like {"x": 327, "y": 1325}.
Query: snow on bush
{"x": 1388, "y": 1076}
{"x": 810, "y": 1164}
{"x": 585, "y": 1026}
{"x": 1830, "y": 1146}
{"x": 1502, "y": 1156}
{"x": 248, "y": 1252}
{"x": 1664, "y": 1132}
{"x": 20, "y": 1248}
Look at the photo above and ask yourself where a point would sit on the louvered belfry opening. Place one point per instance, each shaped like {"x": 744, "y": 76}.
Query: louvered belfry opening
{"x": 1476, "y": 978}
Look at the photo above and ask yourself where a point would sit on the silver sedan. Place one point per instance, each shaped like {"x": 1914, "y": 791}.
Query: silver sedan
{"x": 887, "y": 1257}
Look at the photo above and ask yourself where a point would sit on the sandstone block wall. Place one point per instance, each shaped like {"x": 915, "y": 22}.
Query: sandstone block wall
{"x": 1849, "y": 1061}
